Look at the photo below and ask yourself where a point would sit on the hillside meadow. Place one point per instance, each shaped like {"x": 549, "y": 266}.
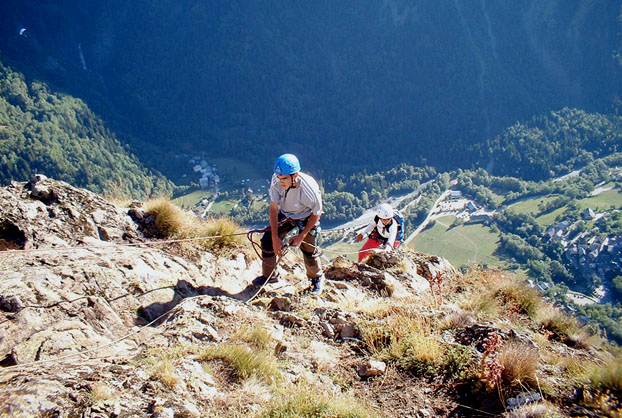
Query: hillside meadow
{"x": 468, "y": 244}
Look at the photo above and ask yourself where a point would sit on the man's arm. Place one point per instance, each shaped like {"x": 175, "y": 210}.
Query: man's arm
{"x": 295, "y": 242}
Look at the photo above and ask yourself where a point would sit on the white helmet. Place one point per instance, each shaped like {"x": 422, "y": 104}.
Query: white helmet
{"x": 385, "y": 211}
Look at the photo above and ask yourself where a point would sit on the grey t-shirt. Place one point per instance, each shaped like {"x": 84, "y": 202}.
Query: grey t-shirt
{"x": 299, "y": 202}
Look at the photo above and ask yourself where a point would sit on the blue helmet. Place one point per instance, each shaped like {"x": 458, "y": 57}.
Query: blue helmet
{"x": 287, "y": 164}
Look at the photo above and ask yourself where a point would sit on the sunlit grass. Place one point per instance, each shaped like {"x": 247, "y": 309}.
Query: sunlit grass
{"x": 520, "y": 365}
{"x": 608, "y": 375}
{"x": 245, "y": 362}
{"x": 101, "y": 392}
{"x": 165, "y": 373}
{"x": 256, "y": 335}
{"x": 173, "y": 222}
{"x": 312, "y": 403}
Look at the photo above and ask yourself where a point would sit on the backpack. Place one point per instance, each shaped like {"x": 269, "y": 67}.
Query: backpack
{"x": 400, "y": 225}
{"x": 397, "y": 217}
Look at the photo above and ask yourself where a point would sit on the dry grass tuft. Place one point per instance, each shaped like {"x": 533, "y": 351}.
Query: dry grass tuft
{"x": 165, "y": 373}
{"x": 560, "y": 324}
{"x": 455, "y": 320}
{"x": 517, "y": 296}
{"x": 491, "y": 294}
{"x": 173, "y": 222}
{"x": 608, "y": 375}
{"x": 256, "y": 335}
{"x": 520, "y": 365}
{"x": 539, "y": 410}
{"x": 407, "y": 340}
{"x": 170, "y": 220}
{"x": 101, "y": 392}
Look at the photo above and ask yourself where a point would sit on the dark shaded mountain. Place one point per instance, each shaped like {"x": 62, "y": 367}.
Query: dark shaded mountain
{"x": 342, "y": 85}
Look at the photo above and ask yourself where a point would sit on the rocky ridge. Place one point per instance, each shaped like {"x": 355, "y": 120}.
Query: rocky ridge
{"x": 98, "y": 320}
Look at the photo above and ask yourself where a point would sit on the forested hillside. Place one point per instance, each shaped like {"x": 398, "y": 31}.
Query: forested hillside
{"x": 46, "y": 132}
{"x": 359, "y": 85}
{"x": 553, "y": 144}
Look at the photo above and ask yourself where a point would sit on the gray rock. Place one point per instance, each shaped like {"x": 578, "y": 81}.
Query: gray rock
{"x": 371, "y": 368}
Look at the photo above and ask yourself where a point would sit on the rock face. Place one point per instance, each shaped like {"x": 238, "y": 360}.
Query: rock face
{"x": 84, "y": 294}
{"x": 49, "y": 213}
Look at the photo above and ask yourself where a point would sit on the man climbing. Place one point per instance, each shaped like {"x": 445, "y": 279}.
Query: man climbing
{"x": 295, "y": 202}
{"x": 383, "y": 232}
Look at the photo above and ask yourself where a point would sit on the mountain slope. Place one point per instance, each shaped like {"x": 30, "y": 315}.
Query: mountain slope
{"x": 46, "y": 131}
{"x": 321, "y": 80}
{"x": 92, "y": 326}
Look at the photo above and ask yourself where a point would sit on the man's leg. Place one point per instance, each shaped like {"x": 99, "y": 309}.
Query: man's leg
{"x": 367, "y": 247}
{"x": 313, "y": 265}
{"x": 268, "y": 257}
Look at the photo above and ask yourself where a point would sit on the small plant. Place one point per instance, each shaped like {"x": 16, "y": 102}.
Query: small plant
{"x": 436, "y": 287}
{"x": 457, "y": 363}
{"x": 490, "y": 367}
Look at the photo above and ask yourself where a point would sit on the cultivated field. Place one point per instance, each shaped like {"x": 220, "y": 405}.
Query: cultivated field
{"x": 469, "y": 244}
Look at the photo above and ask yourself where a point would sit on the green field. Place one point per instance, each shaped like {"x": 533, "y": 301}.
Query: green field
{"x": 192, "y": 198}
{"x": 531, "y": 205}
{"x": 222, "y": 207}
{"x": 603, "y": 201}
{"x": 549, "y": 218}
{"x": 469, "y": 244}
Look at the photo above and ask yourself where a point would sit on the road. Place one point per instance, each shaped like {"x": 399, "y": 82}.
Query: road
{"x": 423, "y": 224}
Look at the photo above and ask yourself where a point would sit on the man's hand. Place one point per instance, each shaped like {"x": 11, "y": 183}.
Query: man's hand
{"x": 359, "y": 237}
{"x": 296, "y": 241}
{"x": 277, "y": 246}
